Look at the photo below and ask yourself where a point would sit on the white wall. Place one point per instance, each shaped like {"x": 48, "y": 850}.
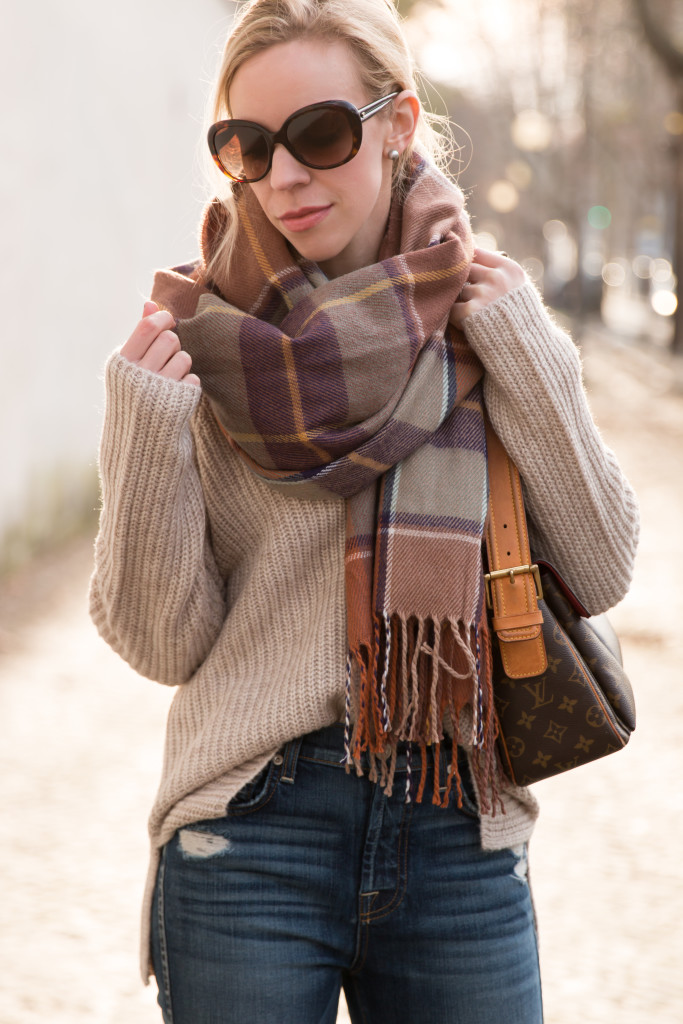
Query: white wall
{"x": 101, "y": 120}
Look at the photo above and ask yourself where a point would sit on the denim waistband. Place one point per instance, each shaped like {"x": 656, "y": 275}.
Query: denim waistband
{"x": 326, "y": 746}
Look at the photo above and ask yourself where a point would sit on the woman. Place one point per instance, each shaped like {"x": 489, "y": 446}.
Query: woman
{"x": 296, "y": 543}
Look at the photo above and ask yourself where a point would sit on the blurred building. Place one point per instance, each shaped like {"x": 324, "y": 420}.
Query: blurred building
{"x": 102, "y": 115}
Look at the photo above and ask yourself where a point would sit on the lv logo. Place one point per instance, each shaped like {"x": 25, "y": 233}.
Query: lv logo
{"x": 537, "y": 688}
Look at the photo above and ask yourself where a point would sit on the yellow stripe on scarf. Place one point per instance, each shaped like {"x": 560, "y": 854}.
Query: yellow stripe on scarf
{"x": 296, "y": 401}
{"x": 363, "y": 460}
{"x": 297, "y": 409}
{"x": 262, "y": 259}
{"x": 380, "y": 286}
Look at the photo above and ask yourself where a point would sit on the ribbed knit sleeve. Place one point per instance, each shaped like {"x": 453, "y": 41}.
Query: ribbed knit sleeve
{"x": 583, "y": 510}
{"x": 155, "y": 596}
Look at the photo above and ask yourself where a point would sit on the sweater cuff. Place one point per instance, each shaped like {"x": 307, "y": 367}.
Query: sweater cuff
{"x": 519, "y": 313}
{"x": 131, "y": 384}
{"x": 147, "y": 417}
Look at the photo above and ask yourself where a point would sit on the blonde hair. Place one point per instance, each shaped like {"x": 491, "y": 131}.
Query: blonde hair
{"x": 372, "y": 29}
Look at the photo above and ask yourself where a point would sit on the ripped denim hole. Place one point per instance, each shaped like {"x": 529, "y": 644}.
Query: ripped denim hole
{"x": 521, "y": 868}
{"x": 202, "y": 844}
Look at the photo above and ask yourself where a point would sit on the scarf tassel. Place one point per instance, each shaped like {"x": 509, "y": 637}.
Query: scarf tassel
{"x": 423, "y": 680}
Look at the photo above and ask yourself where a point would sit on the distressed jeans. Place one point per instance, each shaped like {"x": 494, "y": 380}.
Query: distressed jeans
{"x": 315, "y": 880}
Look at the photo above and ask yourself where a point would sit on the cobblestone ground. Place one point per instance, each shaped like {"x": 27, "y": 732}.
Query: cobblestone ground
{"x": 81, "y": 745}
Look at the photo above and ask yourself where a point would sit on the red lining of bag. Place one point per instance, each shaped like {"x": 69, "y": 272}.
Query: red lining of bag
{"x": 566, "y": 591}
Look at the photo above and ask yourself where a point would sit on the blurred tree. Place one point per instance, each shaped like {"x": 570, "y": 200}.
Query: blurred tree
{"x": 571, "y": 122}
{"x": 656, "y": 19}
{"x": 661, "y": 23}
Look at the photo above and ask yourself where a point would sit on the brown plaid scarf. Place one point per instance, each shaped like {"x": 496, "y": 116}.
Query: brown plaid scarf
{"x": 360, "y": 388}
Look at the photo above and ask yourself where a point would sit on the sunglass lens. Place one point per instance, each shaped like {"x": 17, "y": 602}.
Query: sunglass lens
{"x": 243, "y": 152}
{"x": 322, "y": 138}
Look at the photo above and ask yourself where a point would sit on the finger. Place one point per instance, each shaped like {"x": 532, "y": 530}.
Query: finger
{"x": 459, "y": 312}
{"x": 482, "y": 280}
{"x": 146, "y": 331}
{"x": 178, "y": 366}
{"x": 478, "y": 273}
{"x": 487, "y": 258}
{"x": 149, "y": 308}
{"x": 499, "y": 276}
{"x": 162, "y": 349}
{"x": 192, "y": 378}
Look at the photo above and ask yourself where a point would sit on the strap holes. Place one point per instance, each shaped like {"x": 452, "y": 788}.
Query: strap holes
{"x": 508, "y": 554}
{"x": 505, "y": 526}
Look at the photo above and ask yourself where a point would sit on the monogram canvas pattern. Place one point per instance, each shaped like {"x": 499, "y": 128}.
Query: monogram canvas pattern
{"x": 582, "y": 708}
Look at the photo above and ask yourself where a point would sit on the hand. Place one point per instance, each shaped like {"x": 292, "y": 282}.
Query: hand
{"x": 492, "y": 275}
{"x": 154, "y": 346}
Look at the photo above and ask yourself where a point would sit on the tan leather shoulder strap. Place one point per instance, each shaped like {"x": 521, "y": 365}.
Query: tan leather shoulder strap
{"x": 512, "y": 583}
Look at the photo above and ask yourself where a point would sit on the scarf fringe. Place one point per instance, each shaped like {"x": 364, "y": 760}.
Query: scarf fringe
{"x": 422, "y": 681}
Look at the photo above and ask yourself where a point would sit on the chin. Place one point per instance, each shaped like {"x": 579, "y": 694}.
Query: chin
{"x": 317, "y": 252}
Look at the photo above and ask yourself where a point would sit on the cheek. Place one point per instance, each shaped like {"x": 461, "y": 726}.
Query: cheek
{"x": 365, "y": 187}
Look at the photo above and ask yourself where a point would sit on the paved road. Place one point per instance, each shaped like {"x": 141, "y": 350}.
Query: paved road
{"x": 81, "y": 745}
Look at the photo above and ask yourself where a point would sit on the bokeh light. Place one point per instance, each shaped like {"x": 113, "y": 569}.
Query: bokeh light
{"x": 662, "y": 271}
{"x": 664, "y": 302}
{"x": 642, "y": 266}
{"x": 503, "y": 197}
{"x": 673, "y": 122}
{"x": 531, "y": 131}
{"x": 599, "y": 217}
{"x": 486, "y": 240}
{"x": 614, "y": 274}
{"x": 554, "y": 230}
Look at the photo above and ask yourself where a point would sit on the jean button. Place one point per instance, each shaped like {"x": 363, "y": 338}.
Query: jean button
{"x": 278, "y": 759}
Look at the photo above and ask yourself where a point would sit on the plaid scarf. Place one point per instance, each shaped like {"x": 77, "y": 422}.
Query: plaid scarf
{"x": 360, "y": 388}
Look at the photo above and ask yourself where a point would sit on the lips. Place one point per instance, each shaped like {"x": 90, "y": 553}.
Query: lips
{"x": 304, "y": 218}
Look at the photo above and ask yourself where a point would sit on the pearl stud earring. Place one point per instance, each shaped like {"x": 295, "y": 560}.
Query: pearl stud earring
{"x": 393, "y": 154}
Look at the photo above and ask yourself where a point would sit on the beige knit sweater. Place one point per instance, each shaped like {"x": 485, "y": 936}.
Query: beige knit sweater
{"x": 208, "y": 579}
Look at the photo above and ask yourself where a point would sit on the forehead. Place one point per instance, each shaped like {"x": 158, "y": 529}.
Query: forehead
{"x": 269, "y": 86}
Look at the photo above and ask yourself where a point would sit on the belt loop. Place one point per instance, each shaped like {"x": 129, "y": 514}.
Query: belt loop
{"x": 291, "y": 756}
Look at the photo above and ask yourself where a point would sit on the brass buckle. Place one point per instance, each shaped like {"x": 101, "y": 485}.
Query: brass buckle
{"x": 515, "y": 570}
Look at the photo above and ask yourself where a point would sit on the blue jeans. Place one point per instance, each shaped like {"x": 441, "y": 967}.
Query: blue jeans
{"x": 315, "y": 880}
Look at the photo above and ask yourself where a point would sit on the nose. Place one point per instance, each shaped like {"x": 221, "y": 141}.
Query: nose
{"x": 286, "y": 171}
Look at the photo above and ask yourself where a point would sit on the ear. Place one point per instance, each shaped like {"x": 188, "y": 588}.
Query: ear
{"x": 403, "y": 121}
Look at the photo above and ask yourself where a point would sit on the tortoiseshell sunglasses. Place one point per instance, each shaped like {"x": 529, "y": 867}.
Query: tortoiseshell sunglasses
{"x": 321, "y": 136}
